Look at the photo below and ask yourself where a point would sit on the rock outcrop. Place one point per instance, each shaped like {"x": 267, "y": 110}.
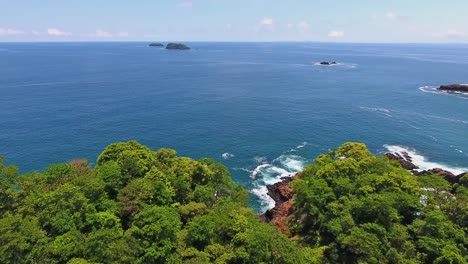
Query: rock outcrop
{"x": 279, "y": 216}
{"x": 281, "y": 193}
{"x": 461, "y": 88}
{"x": 328, "y": 63}
{"x": 407, "y": 162}
{"x": 404, "y": 159}
{"x": 177, "y": 46}
{"x": 448, "y": 176}
{"x": 156, "y": 45}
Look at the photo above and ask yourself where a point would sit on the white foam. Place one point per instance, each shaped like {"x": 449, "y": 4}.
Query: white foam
{"x": 258, "y": 169}
{"x": 227, "y": 156}
{"x": 243, "y": 169}
{"x": 435, "y": 90}
{"x": 302, "y": 145}
{"x": 261, "y": 160}
{"x": 286, "y": 165}
{"x": 326, "y": 65}
{"x": 446, "y": 119}
{"x": 338, "y": 64}
{"x": 266, "y": 201}
{"x": 431, "y": 89}
{"x": 292, "y": 163}
{"x": 422, "y": 162}
{"x": 379, "y": 110}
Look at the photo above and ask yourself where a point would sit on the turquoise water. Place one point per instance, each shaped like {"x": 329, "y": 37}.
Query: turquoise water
{"x": 264, "y": 109}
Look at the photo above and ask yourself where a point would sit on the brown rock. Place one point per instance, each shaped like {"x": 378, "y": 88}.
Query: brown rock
{"x": 404, "y": 159}
{"x": 280, "y": 192}
{"x": 450, "y": 177}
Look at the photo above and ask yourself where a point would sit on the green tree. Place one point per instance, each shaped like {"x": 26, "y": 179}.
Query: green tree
{"x": 155, "y": 231}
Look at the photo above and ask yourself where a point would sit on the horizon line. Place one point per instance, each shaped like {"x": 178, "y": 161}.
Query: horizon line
{"x": 232, "y": 41}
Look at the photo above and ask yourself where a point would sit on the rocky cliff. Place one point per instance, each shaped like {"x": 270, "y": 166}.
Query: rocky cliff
{"x": 281, "y": 193}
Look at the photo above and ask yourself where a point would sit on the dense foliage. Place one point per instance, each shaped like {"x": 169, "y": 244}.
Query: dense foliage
{"x": 135, "y": 206}
{"x": 367, "y": 209}
{"x": 177, "y": 46}
{"x": 144, "y": 206}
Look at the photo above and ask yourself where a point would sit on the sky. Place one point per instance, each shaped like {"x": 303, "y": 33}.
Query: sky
{"x": 380, "y": 21}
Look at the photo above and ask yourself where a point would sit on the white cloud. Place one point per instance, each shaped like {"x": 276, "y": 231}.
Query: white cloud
{"x": 267, "y": 21}
{"x": 152, "y": 36}
{"x": 104, "y": 34}
{"x": 290, "y": 26}
{"x": 185, "y": 4}
{"x": 36, "y": 33}
{"x": 57, "y": 33}
{"x": 228, "y": 27}
{"x": 10, "y": 31}
{"x": 336, "y": 34}
{"x": 266, "y": 24}
{"x": 303, "y": 26}
{"x": 122, "y": 34}
{"x": 455, "y": 33}
{"x": 391, "y": 15}
{"x": 451, "y": 34}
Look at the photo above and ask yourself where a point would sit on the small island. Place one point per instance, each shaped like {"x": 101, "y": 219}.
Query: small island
{"x": 328, "y": 63}
{"x": 156, "y": 45}
{"x": 177, "y": 46}
{"x": 460, "y": 88}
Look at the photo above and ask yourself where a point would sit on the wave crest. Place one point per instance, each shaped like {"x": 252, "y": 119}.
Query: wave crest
{"x": 422, "y": 162}
{"x": 286, "y": 165}
{"x": 227, "y": 155}
{"x": 435, "y": 90}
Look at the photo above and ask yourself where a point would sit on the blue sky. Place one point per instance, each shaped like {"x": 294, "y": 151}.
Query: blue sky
{"x": 235, "y": 20}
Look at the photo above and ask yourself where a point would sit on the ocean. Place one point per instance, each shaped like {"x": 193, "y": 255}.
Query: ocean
{"x": 263, "y": 109}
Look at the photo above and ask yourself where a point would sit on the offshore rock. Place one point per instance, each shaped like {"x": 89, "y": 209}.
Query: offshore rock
{"x": 156, "y": 45}
{"x": 328, "y": 63}
{"x": 177, "y": 46}
{"x": 461, "y": 88}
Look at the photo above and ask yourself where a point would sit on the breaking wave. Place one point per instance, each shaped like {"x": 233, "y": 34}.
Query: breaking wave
{"x": 434, "y": 90}
{"x": 266, "y": 173}
{"x": 338, "y": 64}
{"x": 227, "y": 156}
{"x": 379, "y": 110}
{"x": 422, "y": 162}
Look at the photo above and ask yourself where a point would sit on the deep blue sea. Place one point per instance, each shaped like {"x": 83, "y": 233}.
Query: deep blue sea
{"x": 263, "y": 109}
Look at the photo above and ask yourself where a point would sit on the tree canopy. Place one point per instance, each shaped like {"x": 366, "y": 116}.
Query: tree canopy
{"x": 367, "y": 209}
{"x": 143, "y": 206}
{"x": 135, "y": 206}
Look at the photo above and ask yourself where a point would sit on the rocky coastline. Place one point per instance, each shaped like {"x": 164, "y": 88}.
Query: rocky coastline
{"x": 281, "y": 192}
{"x": 406, "y": 162}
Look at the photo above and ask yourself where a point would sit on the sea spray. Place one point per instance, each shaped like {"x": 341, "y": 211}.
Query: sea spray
{"x": 422, "y": 162}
